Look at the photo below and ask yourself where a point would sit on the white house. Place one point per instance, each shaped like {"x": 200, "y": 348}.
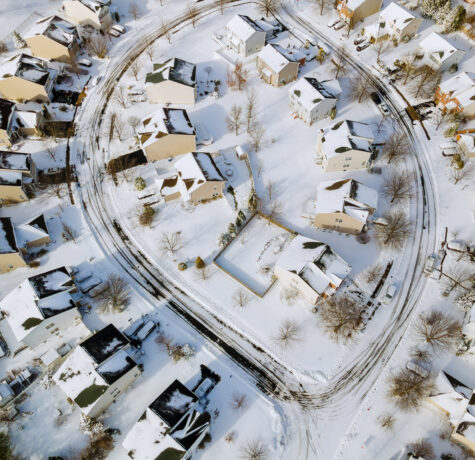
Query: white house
{"x": 312, "y": 268}
{"x": 244, "y": 36}
{"x": 440, "y": 51}
{"x": 98, "y": 371}
{"x": 313, "y": 100}
{"x": 41, "y": 306}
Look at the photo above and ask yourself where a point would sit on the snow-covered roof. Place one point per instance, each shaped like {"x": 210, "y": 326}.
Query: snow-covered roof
{"x": 174, "y": 69}
{"x": 348, "y": 196}
{"x": 311, "y": 92}
{"x": 397, "y": 15}
{"x": 437, "y": 47}
{"x": 14, "y": 161}
{"x": 460, "y": 86}
{"x": 243, "y": 27}
{"x": 56, "y": 28}
{"x": 165, "y": 121}
{"x": 272, "y": 56}
{"x": 8, "y": 244}
{"x": 7, "y": 109}
{"x": 347, "y": 135}
{"x": 315, "y": 262}
{"x": 31, "y": 231}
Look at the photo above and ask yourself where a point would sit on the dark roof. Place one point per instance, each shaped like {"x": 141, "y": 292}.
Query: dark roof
{"x": 15, "y": 160}
{"x": 173, "y": 403}
{"x": 6, "y": 109}
{"x": 7, "y": 236}
{"x": 32, "y": 69}
{"x": 104, "y": 343}
{"x": 51, "y": 282}
{"x": 320, "y": 87}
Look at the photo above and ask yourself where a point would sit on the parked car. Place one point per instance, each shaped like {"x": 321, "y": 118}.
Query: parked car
{"x": 390, "y": 292}
{"x": 334, "y": 22}
{"x": 119, "y": 28}
{"x": 363, "y": 46}
{"x": 85, "y": 62}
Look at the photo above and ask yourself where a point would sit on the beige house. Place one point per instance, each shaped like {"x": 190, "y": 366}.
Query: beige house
{"x": 394, "y": 23}
{"x": 275, "y": 67}
{"x": 457, "y": 94}
{"x": 245, "y": 36}
{"x": 41, "y": 306}
{"x": 353, "y": 11}
{"x": 8, "y": 133}
{"x": 93, "y": 13}
{"x": 10, "y": 256}
{"x": 311, "y": 268}
{"x": 345, "y": 146}
{"x": 167, "y": 133}
{"x": 27, "y": 78}
{"x": 98, "y": 371}
{"x": 344, "y": 205}
{"x": 53, "y": 38}
{"x": 172, "y": 82}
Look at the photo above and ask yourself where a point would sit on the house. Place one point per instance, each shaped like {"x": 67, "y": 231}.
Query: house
{"x": 457, "y": 94}
{"x": 276, "y": 67}
{"x": 394, "y": 23}
{"x": 344, "y": 205}
{"x": 167, "y": 133}
{"x": 175, "y": 423}
{"x": 53, "y": 38}
{"x": 245, "y": 36}
{"x": 172, "y": 82}
{"x": 313, "y": 100}
{"x": 41, "y": 306}
{"x": 93, "y": 13}
{"x": 439, "y": 51}
{"x": 10, "y": 256}
{"x": 353, "y": 11}
{"x": 312, "y": 268}
{"x": 7, "y": 131}
{"x": 98, "y": 371}
{"x": 344, "y": 146}
{"x": 27, "y": 78}
{"x": 454, "y": 400}
{"x": 467, "y": 144}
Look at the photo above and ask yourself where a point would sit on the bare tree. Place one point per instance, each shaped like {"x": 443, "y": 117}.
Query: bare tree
{"x": 360, "y": 87}
{"x": 342, "y": 318}
{"x": 56, "y": 190}
{"x": 165, "y": 30}
{"x": 97, "y": 45}
{"x": 288, "y": 333}
{"x": 425, "y": 81}
{"x": 192, "y": 14}
{"x": 234, "y": 120}
{"x": 256, "y": 136}
{"x": 241, "y": 298}
{"x": 438, "y": 330}
{"x": 340, "y": 64}
{"x": 135, "y": 10}
{"x": 395, "y": 232}
{"x": 457, "y": 175}
{"x": 238, "y": 401}
{"x": 134, "y": 69}
{"x": 134, "y": 122}
{"x": 115, "y": 295}
{"x": 254, "y": 450}
{"x": 120, "y": 96}
{"x": 267, "y": 7}
{"x": 457, "y": 277}
{"x": 373, "y": 273}
{"x": 386, "y": 421}
{"x": 408, "y": 390}
{"x": 397, "y": 187}
{"x": 421, "y": 449}
{"x": 172, "y": 242}
{"x": 69, "y": 233}
{"x": 396, "y": 148}
{"x": 251, "y": 109}
{"x": 237, "y": 78}
{"x": 150, "y": 51}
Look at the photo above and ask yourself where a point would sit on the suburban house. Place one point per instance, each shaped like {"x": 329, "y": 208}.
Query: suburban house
{"x": 175, "y": 423}
{"x": 276, "y": 67}
{"x": 344, "y": 146}
{"x": 394, "y": 23}
{"x": 344, "y": 205}
{"x": 439, "y": 51}
{"x": 93, "y": 13}
{"x": 313, "y": 100}
{"x": 454, "y": 400}
{"x": 245, "y": 37}
{"x": 7, "y": 131}
{"x": 467, "y": 144}
{"x": 98, "y": 371}
{"x": 53, "y": 38}
{"x": 41, "y": 306}
{"x": 27, "y": 78}
{"x": 312, "y": 268}
{"x": 167, "y": 133}
{"x": 457, "y": 94}
{"x": 353, "y": 11}
{"x": 172, "y": 82}
{"x": 10, "y": 256}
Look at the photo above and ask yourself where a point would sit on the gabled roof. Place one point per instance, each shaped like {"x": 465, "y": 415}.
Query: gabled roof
{"x": 7, "y": 109}
{"x": 15, "y": 161}
{"x": 311, "y": 92}
{"x": 8, "y": 244}
{"x": 273, "y": 56}
{"x": 174, "y": 69}
{"x": 437, "y": 47}
{"x": 243, "y": 27}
